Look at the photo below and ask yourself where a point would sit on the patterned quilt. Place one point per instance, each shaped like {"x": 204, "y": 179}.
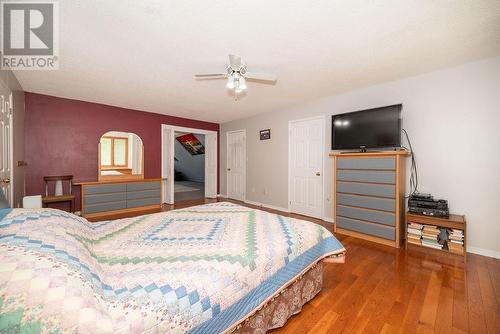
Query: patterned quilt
{"x": 201, "y": 269}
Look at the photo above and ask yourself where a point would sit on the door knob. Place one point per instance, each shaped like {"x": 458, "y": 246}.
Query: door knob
{"x": 5, "y": 180}
{"x": 228, "y": 169}
{"x": 318, "y": 173}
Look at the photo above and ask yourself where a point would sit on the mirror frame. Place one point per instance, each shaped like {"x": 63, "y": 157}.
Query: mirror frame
{"x": 118, "y": 177}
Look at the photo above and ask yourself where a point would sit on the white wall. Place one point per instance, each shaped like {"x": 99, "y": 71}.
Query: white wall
{"x": 453, "y": 118}
{"x": 192, "y": 166}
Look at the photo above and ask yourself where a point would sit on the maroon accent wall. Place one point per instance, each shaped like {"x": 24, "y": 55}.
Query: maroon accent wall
{"x": 62, "y": 137}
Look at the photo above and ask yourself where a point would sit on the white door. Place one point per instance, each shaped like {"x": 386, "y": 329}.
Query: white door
{"x": 211, "y": 165}
{"x": 167, "y": 152}
{"x": 5, "y": 142}
{"x": 236, "y": 165}
{"x": 306, "y": 166}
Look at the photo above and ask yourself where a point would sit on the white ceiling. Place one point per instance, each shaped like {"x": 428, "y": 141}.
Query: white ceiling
{"x": 143, "y": 54}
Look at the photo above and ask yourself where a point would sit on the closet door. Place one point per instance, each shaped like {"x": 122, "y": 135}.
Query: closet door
{"x": 6, "y": 143}
{"x": 236, "y": 164}
{"x": 306, "y": 167}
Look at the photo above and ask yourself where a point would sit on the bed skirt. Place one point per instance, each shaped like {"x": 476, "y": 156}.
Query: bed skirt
{"x": 287, "y": 303}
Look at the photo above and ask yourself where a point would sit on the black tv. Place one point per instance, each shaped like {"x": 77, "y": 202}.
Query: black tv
{"x": 372, "y": 128}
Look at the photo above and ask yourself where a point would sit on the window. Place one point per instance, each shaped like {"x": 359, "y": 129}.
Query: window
{"x": 114, "y": 152}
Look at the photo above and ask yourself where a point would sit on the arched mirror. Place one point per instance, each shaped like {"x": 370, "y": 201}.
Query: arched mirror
{"x": 121, "y": 156}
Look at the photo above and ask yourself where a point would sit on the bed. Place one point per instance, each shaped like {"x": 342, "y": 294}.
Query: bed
{"x": 214, "y": 268}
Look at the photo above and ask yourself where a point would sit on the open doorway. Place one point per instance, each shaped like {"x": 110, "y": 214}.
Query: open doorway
{"x": 189, "y": 166}
{"x": 171, "y": 161}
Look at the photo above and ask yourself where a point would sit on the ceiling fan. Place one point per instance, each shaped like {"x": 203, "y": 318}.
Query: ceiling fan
{"x": 236, "y": 74}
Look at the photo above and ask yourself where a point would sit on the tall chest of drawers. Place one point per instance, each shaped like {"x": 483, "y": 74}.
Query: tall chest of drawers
{"x": 369, "y": 190}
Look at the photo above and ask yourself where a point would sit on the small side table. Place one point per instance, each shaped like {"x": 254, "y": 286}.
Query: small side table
{"x": 456, "y": 222}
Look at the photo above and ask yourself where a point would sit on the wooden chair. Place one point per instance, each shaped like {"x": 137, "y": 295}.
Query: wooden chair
{"x": 47, "y": 199}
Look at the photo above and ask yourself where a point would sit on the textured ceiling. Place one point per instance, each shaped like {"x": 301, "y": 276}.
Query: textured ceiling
{"x": 143, "y": 54}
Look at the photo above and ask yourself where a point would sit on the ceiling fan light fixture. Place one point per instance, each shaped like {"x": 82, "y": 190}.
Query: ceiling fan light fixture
{"x": 242, "y": 84}
{"x": 230, "y": 82}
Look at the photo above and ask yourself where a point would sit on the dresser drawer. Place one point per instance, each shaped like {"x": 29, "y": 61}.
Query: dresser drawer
{"x": 103, "y": 198}
{"x": 103, "y": 207}
{"x": 137, "y": 186}
{"x": 366, "y": 163}
{"x": 373, "y": 176}
{"x": 367, "y": 202}
{"x": 105, "y": 188}
{"x": 386, "y": 218}
{"x": 377, "y": 230}
{"x": 370, "y": 189}
{"x": 134, "y": 203}
{"x": 144, "y": 194}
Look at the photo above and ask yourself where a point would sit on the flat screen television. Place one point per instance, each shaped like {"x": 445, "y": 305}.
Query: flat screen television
{"x": 371, "y": 128}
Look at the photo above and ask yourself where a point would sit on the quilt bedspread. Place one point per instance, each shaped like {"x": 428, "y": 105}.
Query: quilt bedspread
{"x": 199, "y": 270}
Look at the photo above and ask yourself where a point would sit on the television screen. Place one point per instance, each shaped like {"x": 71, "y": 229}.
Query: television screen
{"x": 372, "y": 128}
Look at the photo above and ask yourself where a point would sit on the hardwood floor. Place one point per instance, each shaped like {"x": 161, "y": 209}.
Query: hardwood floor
{"x": 385, "y": 290}
{"x": 197, "y": 193}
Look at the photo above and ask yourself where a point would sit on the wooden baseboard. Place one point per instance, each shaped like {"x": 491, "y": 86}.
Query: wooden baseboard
{"x": 124, "y": 213}
{"x": 367, "y": 237}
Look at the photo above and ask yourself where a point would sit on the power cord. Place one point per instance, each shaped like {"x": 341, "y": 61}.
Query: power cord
{"x": 413, "y": 168}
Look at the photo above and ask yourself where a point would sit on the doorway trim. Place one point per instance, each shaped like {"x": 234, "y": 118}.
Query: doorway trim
{"x": 245, "y": 164}
{"x": 323, "y": 164}
{"x": 164, "y": 163}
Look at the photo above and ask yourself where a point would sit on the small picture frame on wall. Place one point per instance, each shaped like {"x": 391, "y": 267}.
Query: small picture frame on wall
{"x": 265, "y": 134}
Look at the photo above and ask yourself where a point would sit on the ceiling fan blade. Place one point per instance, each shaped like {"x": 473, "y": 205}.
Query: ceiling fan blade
{"x": 235, "y": 62}
{"x": 207, "y": 75}
{"x": 261, "y": 76}
{"x": 210, "y": 76}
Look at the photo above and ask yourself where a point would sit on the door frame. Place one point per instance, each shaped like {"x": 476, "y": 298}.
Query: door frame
{"x": 165, "y": 173}
{"x": 323, "y": 143}
{"x": 244, "y": 165}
